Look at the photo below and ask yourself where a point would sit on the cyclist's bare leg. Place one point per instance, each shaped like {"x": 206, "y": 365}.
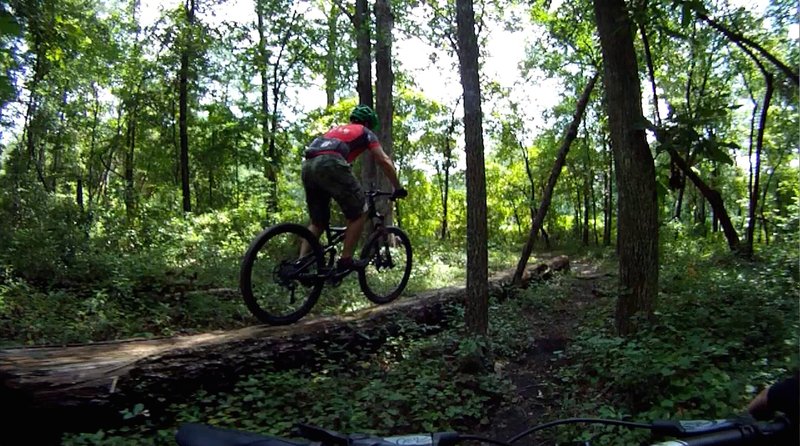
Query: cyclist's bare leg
{"x": 305, "y": 247}
{"x": 352, "y": 234}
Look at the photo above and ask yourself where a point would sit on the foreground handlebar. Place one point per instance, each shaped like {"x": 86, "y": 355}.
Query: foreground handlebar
{"x": 193, "y": 434}
{"x": 732, "y": 433}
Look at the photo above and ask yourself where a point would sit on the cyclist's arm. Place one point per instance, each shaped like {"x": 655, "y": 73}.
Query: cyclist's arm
{"x": 386, "y": 164}
{"x": 782, "y": 396}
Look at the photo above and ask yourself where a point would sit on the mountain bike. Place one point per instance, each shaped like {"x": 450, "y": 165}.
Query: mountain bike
{"x": 279, "y": 286}
{"x": 735, "y": 431}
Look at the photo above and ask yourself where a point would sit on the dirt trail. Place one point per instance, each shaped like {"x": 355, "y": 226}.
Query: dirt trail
{"x": 534, "y": 373}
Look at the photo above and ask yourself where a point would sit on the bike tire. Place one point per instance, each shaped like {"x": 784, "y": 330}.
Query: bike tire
{"x": 250, "y": 260}
{"x": 376, "y": 250}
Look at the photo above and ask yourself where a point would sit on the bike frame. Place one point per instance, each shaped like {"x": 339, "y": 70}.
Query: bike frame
{"x": 335, "y": 234}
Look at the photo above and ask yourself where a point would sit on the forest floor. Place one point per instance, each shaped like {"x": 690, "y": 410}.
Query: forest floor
{"x": 535, "y": 373}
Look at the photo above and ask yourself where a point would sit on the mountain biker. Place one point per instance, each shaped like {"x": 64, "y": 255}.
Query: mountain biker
{"x": 327, "y": 174}
{"x": 783, "y": 396}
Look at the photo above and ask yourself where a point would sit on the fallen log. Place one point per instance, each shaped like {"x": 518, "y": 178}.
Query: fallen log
{"x": 84, "y": 387}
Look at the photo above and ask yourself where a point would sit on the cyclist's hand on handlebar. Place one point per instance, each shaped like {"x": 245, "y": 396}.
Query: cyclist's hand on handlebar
{"x": 399, "y": 192}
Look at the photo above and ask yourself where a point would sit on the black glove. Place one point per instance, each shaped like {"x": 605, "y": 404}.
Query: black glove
{"x": 400, "y": 192}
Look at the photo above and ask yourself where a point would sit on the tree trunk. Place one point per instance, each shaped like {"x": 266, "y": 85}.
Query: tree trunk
{"x": 184, "y": 108}
{"x": 477, "y": 304}
{"x": 384, "y": 100}
{"x": 331, "y": 45}
{"x": 262, "y": 62}
{"x": 586, "y": 196}
{"x": 278, "y": 84}
{"x": 31, "y": 132}
{"x": 446, "y": 166}
{"x": 714, "y": 199}
{"x": 364, "y": 48}
{"x": 754, "y": 191}
{"x": 608, "y": 202}
{"x": 547, "y": 195}
{"x": 361, "y": 23}
{"x": 636, "y": 181}
{"x": 130, "y": 153}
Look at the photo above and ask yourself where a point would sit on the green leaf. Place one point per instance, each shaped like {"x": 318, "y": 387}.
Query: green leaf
{"x": 714, "y": 153}
{"x": 9, "y": 26}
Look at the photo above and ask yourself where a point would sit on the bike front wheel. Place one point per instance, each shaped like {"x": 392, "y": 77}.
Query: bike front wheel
{"x": 388, "y": 251}
{"x": 277, "y": 284}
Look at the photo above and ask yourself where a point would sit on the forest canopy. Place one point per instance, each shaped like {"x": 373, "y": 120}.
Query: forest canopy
{"x": 145, "y": 143}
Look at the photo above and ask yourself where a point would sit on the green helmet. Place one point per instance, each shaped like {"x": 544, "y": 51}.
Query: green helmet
{"x": 364, "y": 114}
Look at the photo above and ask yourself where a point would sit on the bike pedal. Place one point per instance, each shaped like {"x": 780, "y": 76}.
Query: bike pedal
{"x": 335, "y": 279}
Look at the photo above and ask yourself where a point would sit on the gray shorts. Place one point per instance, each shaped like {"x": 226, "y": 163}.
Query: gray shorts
{"x": 330, "y": 176}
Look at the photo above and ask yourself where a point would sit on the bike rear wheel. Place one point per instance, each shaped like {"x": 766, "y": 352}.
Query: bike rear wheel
{"x": 277, "y": 285}
{"x": 386, "y": 275}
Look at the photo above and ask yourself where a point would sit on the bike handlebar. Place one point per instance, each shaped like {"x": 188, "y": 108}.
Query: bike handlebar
{"x": 734, "y": 432}
{"x": 731, "y": 432}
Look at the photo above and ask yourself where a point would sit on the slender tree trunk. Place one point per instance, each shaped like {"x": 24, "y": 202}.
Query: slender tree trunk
{"x": 31, "y": 132}
{"x": 594, "y": 211}
{"x": 608, "y": 209}
{"x": 364, "y": 47}
{"x": 446, "y": 187}
{"x": 586, "y": 195}
{"x": 547, "y": 195}
{"x": 263, "y": 61}
{"x": 361, "y": 23}
{"x": 714, "y": 199}
{"x": 754, "y": 192}
{"x": 331, "y": 45}
{"x": 447, "y": 165}
{"x": 278, "y": 84}
{"x": 92, "y": 186}
{"x": 130, "y": 192}
{"x": 477, "y": 300}
{"x": 636, "y": 181}
{"x": 764, "y": 198}
{"x": 184, "y": 109}
{"x": 577, "y": 219}
{"x": 58, "y": 147}
{"x": 384, "y": 102}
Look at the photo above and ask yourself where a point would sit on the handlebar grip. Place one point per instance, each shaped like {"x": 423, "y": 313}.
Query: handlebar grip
{"x": 724, "y": 438}
{"x": 741, "y": 435}
{"x": 194, "y": 434}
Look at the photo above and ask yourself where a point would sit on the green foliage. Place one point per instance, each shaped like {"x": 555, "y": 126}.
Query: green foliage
{"x": 409, "y": 385}
{"x": 724, "y": 329}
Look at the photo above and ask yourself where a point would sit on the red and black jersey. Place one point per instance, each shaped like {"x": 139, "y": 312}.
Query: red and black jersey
{"x": 349, "y": 141}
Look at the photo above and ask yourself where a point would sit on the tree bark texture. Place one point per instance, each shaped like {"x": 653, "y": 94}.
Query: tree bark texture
{"x": 364, "y": 47}
{"x": 384, "y": 100}
{"x": 477, "y": 306}
{"x": 636, "y": 180}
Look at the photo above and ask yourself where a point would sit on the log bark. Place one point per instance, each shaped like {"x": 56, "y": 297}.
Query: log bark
{"x": 82, "y": 388}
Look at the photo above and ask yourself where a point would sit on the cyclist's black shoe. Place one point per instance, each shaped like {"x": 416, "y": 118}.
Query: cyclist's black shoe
{"x": 344, "y": 267}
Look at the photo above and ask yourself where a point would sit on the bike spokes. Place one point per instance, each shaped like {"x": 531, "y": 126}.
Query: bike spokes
{"x": 282, "y": 284}
{"x": 389, "y": 267}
